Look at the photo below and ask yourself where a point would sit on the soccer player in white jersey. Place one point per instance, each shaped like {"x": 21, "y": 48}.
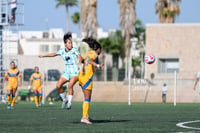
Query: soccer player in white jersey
{"x": 72, "y": 60}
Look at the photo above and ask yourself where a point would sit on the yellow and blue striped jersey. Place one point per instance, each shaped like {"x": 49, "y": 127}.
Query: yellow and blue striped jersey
{"x": 36, "y": 78}
{"x": 12, "y": 75}
{"x": 89, "y": 69}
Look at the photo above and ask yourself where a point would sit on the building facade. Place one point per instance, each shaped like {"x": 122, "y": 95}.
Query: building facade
{"x": 176, "y": 48}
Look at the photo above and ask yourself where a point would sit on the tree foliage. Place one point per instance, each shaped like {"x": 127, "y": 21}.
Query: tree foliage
{"x": 76, "y": 17}
{"x": 67, "y": 4}
{"x": 167, "y": 10}
{"x": 114, "y": 44}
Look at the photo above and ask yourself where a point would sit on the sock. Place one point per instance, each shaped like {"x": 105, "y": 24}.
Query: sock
{"x": 36, "y": 99}
{"x": 86, "y": 105}
{"x": 13, "y": 100}
{"x": 8, "y": 99}
{"x": 40, "y": 97}
{"x": 70, "y": 97}
{"x": 63, "y": 96}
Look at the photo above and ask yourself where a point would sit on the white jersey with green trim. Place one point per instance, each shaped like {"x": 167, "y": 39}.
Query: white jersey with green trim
{"x": 70, "y": 59}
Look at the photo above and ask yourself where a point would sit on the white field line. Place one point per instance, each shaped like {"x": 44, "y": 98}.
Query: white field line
{"x": 182, "y": 124}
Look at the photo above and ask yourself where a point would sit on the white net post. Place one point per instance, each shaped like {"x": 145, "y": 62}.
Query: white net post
{"x": 175, "y": 87}
{"x": 129, "y": 81}
{"x": 43, "y": 88}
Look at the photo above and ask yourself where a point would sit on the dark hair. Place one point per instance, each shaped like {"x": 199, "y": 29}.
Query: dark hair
{"x": 67, "y": 36}
{"x": 12, "y": 62}
{"x": 93, "y": 44}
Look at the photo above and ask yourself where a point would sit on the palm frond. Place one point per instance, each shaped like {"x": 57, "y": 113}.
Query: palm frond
{"x": 69, "y": 3}
{"x": 167, "y": 10}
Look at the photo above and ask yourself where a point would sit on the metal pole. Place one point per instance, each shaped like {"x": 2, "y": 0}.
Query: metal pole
{"x": 1, "y": 53}
{"x": 1, "y": 62}
{"x": 175, "y": 82}
{"x": 43, "y": 88}
{"x": 141, "y": 71}
{"x": 129, "y": 80}
{"x": 105, "y": 69}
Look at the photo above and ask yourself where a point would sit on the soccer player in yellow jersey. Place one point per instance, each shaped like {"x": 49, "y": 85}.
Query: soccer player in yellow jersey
{"x": 37, "y": 79}
{"x": 12, "y": 76}
{"x": 86, "y": 75}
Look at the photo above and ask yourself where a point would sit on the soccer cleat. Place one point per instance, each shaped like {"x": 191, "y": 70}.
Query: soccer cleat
{"x": 9, "y": 107}
{"x": 12, "y": 108}
{"x": 64, "y": 104}
{"x": 69, "y": 106}
{"x": 85, "y": 120}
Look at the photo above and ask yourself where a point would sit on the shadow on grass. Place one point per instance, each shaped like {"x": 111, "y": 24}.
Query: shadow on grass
{"x": 106, "y": 121}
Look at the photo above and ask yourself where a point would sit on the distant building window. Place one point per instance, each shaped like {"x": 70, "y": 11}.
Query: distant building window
{"x": 53, "y": 75}
{"x": 45, "y": 35}
{"x": 27, "y": 74}
{"x": 44, "y": 48}
{"x": 55, "y": 48}
{"x": 33, "y": 37}
{"x": 168, "y": 65}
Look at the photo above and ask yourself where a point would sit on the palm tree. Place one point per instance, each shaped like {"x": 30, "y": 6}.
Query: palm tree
{"x": 127, "y": 21}
{"x": 89, "y": 18}
{"x": 76, "y": 20}
{"x": 167, "y": 10}
{"x": 67, "y": 4}
{"x": 114, "y": 44}
{"x": 135, "y": 62}
{"x": 140, "y": 35}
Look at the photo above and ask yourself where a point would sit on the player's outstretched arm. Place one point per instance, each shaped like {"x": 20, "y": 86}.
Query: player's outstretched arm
{"x": 48, "y": 55}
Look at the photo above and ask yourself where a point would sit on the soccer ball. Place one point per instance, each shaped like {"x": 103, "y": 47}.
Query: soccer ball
{"x": 150, "y": 59}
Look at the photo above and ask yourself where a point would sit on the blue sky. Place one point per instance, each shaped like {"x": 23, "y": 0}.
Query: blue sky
{"x": 37, "y": 12}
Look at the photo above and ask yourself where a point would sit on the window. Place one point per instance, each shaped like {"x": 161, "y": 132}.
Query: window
{"x": 168, "y": 65}
{"x": 45, "y": 35}
{"x": 44, "y": 48}
{"x": 55, "y": 48}
{"x": 27, "y": 74}
{"x": 53, "y": 75}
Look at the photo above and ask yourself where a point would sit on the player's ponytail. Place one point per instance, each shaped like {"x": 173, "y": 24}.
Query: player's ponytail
{"x": 93, "y": 44}
{"x": 89, "y": 41}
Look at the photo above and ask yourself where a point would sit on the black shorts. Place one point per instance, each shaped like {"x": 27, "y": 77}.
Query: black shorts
{"x": 13, "y": 11}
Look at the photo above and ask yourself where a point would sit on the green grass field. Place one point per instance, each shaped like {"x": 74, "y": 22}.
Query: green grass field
{"x": 108, "y": 118}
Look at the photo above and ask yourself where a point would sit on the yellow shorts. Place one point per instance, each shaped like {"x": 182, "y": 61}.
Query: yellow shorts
{"x": 12, "y": 87}
{"x": 37, "y": 88}
{"x": 85, "y": 82}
